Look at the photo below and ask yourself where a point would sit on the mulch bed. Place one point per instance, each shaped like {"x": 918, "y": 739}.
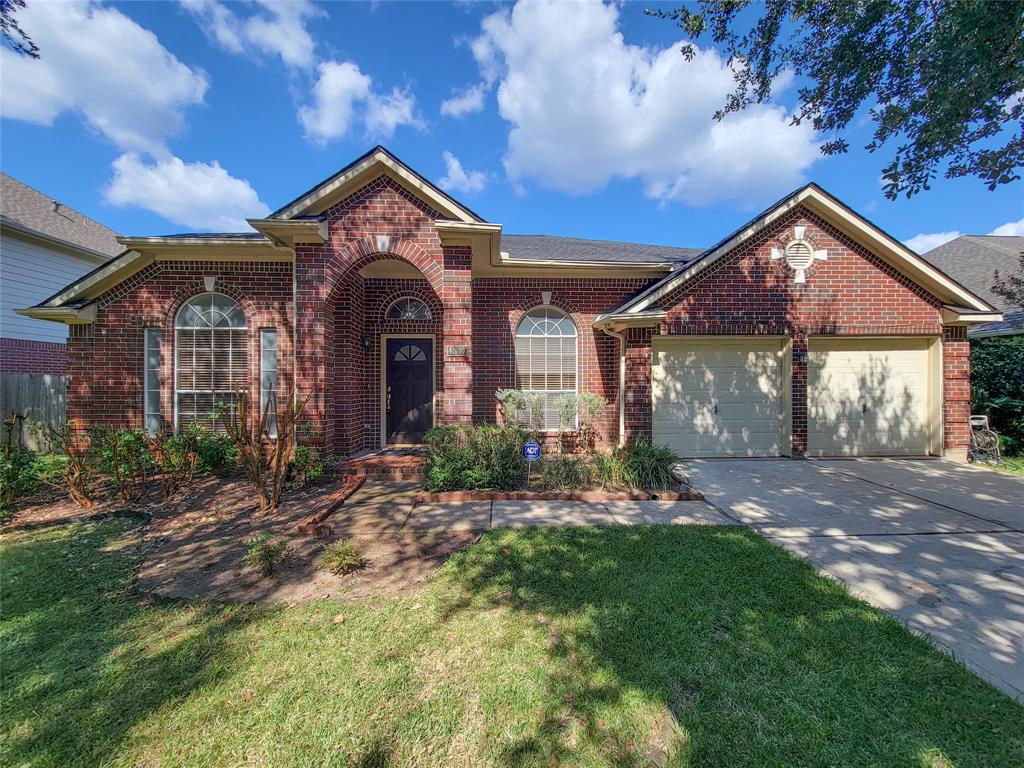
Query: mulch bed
{"x": 192, "y": 544}
{"x": 424, "y": 497}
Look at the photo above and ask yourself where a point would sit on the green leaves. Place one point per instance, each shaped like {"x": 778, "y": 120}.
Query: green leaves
{"x": 942, "y": 78}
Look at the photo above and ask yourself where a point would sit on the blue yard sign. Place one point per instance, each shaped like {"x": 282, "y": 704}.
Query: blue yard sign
{"x": 531, "y": 450}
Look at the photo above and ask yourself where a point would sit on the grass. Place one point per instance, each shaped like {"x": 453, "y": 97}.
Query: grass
{"x": 688, "y": 646}
{"x": 1014, "y": 465}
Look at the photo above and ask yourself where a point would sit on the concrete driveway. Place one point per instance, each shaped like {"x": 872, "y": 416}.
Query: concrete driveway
{"x": 937, "y": 544}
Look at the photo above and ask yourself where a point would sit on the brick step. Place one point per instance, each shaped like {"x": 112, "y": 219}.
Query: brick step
{"x": 402, "y": 465}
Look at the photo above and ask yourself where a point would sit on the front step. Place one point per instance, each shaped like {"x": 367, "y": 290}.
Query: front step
{"x": 397, "y": 464}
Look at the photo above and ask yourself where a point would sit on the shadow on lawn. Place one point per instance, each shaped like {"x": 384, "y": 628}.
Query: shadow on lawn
{"x": 741, "y": 655}
{"x": 83, "y": 665}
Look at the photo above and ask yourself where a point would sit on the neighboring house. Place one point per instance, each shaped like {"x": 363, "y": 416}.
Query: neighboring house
{"x": 807, "y": 331}
{"x": 974, "y": 260}
{"x": 44, "y": 245}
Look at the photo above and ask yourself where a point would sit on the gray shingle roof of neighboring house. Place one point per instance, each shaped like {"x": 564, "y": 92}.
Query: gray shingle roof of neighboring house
{"x": 23, "y": 207}
{"x": 1012, "y": 324}
{"x": 537, "y": 247}
{"x": 973, "y": 260}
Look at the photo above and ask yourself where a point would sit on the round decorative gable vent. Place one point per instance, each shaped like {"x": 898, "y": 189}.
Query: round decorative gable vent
{"x": 799, "y": 254}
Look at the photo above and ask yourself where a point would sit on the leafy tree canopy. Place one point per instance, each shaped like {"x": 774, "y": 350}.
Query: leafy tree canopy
{"x": 13, "y": 34}
{"x": 942, "y": 79}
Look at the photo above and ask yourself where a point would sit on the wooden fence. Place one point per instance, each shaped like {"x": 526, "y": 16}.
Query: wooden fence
{"x": 37, "y": 397}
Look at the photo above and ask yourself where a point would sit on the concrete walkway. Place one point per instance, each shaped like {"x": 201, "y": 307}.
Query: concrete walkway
{"x": 937, "y": 544}
{"x": 389, "y": 507}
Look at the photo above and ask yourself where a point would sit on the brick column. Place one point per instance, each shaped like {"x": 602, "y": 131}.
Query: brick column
{"x": 314, "y": 341}
{"x": 956, "y": 392}
{"x": 80, "y": 370}
{"x": 798, "y": 394}
{"x": 456, "y": 338}
{"x": 638, "y": 382}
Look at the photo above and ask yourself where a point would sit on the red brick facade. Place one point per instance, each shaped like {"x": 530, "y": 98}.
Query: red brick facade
{"x": 25, "y": 356}
{"x": 850, "y": 293}
{"x": 340, "y": 321}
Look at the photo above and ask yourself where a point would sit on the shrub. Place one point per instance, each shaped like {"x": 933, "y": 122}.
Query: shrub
{"x": 176, "y": 457}
{"x": 217, "y": 454}
{"x": 647, "y": 465}
{"x": 467, "y": 458}
{"x": 17, "y": 475}
{"x": 566, "y": 473}
{"x": 610, "y": 469}
{"x": 309, "y": 465}
{"x": 997, "y": 387}
{"x": 264, "y": 553}
{"x": 521, "y": 408}
{"x": 344, "y": 556}
{"x": 124, "y": 457}
{"x": 578, "y": 416}
{"x": 71, "y": 469}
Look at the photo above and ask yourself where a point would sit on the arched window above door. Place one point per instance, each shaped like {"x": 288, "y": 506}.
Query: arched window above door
{"x": 408, "y": 308}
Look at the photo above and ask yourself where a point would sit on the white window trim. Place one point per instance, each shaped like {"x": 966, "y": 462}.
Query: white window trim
{"x": 576, "y": 338}
{"x": 146, "y": 349}
{"x": 174, "y": 380}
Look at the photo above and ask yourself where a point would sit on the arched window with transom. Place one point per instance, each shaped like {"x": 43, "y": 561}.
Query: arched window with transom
{"x": 408, "y": 308}
{"x": 546, "y": 357}
{"x": 210, "y": 358}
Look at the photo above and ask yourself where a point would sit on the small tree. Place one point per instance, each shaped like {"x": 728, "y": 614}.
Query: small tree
{"x": 579, "y": 414}
{"x": 264, "y": 459}
{"x": 1011, "y": 287}
{"x": 521, "y": 408}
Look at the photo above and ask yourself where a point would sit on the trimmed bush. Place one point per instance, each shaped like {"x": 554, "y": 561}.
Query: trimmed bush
{"x": 309, "y": 464}
{"x": 342, "y": 557}
{"x": 997, "y": 387}
{"x": 469, "y": 458}
{"x": 217, "y": 453}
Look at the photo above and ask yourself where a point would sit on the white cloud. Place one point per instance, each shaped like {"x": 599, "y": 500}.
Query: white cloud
{"x": 464, "y": 102}
{"x": 927, "y": 241}
{"x": 101, "y": 65}
{"x": 1014, "y": 228}
{"x": 585, "y": 108}
{"x": 277, "y": 28}
{"x": 196, "y": 195}
{"x": 458, "y": 179}
{"x": 342, "y": 94}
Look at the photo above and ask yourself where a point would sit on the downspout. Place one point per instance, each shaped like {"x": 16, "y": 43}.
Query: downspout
{"x": 622, "y": 381}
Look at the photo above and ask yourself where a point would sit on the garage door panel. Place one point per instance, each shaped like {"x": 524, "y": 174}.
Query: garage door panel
{"x": 869, "y": 397}
{"x": 720, "y": 397}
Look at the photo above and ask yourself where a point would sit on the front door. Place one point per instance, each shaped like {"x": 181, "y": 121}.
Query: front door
{"x": 409, "y": 389}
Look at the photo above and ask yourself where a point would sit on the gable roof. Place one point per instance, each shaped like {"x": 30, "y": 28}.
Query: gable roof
{"x": 974, "y": 260}
{"x": 25, "y": 209}
{"x": 820, "y": 202}
{"x": 363, "y": 169}
{"x": 551, "y": 248}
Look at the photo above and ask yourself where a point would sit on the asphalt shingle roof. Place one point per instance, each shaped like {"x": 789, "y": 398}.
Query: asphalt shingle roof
{"x": 540, "y": 247}
{"x": 31, "y": 209}
{"x": 973, "y": 261}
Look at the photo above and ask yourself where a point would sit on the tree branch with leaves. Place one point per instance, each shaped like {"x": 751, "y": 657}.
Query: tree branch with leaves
{"x": 943, "y": 80}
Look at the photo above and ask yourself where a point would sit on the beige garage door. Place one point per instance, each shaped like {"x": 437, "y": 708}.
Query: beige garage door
{"x": 719, "y": 396}
{"x": 870, "y": 397}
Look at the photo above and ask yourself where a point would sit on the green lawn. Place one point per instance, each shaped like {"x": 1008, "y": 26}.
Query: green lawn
{"x": 1012, "y": 464}
{"x": 691, "y": 646}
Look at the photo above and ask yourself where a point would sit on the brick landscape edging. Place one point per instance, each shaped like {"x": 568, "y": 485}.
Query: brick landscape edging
{"x": 423, "y": 497}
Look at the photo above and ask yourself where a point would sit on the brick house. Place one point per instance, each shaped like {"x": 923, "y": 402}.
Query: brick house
{"x": 806, "y": 331}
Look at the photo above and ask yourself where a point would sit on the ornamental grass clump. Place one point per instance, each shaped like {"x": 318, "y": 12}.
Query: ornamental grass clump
{"x": 264, "y": 553}
{"x": 647, "y": 465}
{"x": 344, "y": 556}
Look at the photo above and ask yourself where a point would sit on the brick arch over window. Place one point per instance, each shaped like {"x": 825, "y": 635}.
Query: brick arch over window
{"x": 428, "y": 297}
{"x": 358, "y": 253}
{"x": 516, "y": 317}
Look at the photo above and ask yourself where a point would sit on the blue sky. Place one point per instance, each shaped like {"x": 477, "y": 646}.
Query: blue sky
{"x": 562, "y": 119}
